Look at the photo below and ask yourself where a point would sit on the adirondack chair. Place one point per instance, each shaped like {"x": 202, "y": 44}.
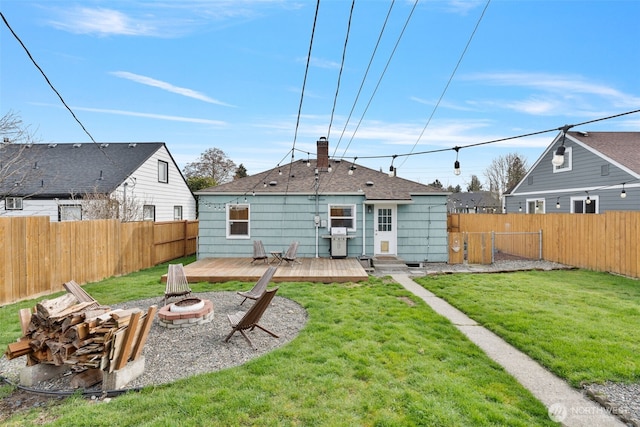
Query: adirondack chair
{"x": 258, "y": 251}
{"x": 291, "y": 254}
{"x": 249, "y": 320}
{"x": 177, "y": 284}
{"x": 260, "y": 287}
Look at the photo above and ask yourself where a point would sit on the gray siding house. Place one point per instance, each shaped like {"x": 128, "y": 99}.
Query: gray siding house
{"x": 72, "y": 182}
{"x": 600, "y": 172}
{"x": 304, "y": 200}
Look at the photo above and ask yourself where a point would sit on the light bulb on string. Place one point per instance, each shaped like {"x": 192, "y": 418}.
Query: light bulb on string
{"x": 456, "y": 164}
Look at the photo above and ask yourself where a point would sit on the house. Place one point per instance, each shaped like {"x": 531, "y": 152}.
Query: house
{"x": 473, "y": 202}
{"x": 599, "y": 171}
{"x": 307, "y": 199}
{"x": 130, "y": 181}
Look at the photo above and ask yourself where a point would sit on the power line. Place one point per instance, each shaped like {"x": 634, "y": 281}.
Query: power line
{"x": 46, "y": 78}
{"x": 364, "y": 78}
{"x": 395, "y": 47}
{"x": 304, "y": 83}
{"x": 453, "y": 73}
{"x": 344, "y": 52}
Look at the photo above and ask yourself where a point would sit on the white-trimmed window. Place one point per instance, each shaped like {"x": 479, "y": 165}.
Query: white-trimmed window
{"x": 13, "y": 203}
{"x": 69, "y": 212}
{"x": 568, "y": 161}
{"x": 177, "y": 213}
{"x": 535, "y": 206}
{"x": 163, "y": 171}
{"x": 148, "y": 213}
{"x": 238, "y": 225}
{"x": 582, "y": 205}
{"x": 342, "y": 216}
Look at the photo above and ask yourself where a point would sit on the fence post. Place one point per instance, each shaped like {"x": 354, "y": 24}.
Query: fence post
{"x": 493, "y": 246}
{"x": 540, "y": 245}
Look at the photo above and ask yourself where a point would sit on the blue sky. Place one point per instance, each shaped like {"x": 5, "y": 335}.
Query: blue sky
{"x": 229, "y": 74}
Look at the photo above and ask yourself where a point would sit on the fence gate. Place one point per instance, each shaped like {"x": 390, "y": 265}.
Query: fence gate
{"x": 488, "y": 247}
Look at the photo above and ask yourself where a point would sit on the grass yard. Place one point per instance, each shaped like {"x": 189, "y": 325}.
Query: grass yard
{"x": 581, "y": 325}
{"x": 371, "y": 354}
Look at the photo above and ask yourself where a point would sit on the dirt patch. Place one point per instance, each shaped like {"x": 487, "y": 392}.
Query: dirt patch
{"x": 407, "y": 301}
{"x": 23, "y": 401}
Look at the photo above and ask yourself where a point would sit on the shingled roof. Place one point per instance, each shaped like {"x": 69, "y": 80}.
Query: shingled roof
{"x": 60, "y": 170}
{"x": 299, "y": 177}
{"x": 621, "y": 147}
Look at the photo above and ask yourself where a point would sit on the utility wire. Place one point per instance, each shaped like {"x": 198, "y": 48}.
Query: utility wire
{"x": 383, "y": 73}
{"x": 453, "y": 73}
{"x": 344, "y": 52}
{"x": 493, "y": 141}
{"x": 304, "y": 83}
{"x": 364, "y": 78}
{"x": 46, "y": 78}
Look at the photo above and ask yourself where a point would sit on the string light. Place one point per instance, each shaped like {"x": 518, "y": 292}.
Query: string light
{"x": 558, "y": 203}
{"x": 456, "y": 164}
{"x": 623, "y": 193}
{"x": 588, "y": 201}
{"x": 558, "y": 157}
{"x": 353, "y": 166}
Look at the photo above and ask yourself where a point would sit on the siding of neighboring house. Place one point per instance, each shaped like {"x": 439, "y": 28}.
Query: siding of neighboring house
{"x": 66, "y": 174}
{"x": 589, "y": 172}
{"x": 164, "y": 196}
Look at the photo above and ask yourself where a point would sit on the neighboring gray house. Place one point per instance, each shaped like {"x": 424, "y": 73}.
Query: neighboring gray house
{"x": 302, "y": 201}
{"x": 600, "y": 172}
{"x": 130, "y": 181}
{"x": 473, "y": 202}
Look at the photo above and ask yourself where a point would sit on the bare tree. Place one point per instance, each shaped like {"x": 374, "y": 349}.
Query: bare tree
{"x": 213, "y": 163}
{"x": 505, "y": 172}
{"x": 116, "y": 205}
{"x": 475, "y": 184}
{"x": 16, "y": 167}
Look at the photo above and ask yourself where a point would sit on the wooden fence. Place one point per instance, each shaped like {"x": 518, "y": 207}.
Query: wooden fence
{"x": 37, "y": 256}
{"x": 603, "y": 242}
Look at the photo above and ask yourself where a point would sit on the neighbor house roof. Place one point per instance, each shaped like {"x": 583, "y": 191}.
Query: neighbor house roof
{"x": 54, "y": 170}
{"x": 621, "y": 147}
{"x": 299, "y": 177}
{"x": 481, "y": 199}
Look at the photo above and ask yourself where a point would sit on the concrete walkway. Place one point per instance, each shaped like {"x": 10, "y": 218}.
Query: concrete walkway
{"x": 565, "y": 404}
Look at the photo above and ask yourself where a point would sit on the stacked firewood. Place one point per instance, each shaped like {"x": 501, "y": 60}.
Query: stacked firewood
{"x": 74, "y": 329}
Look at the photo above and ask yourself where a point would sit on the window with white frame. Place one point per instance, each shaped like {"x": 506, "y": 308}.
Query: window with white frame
{"x": 148, "y": 213}
{"x": 69, "y": 212}
{"x": 177, "y": 213}
{"x": 13, "y": 203}
{"x": 163, "y": 171}
{"x": 586, "y": 204}
{"x": 535, "y": 206}
{"x": 342, "y": 216}
{"x": 568, "y": 161}
{"x": 238, "y": 221}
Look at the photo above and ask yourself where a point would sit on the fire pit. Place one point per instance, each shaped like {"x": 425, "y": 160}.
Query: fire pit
{"x": 185, "y": 313}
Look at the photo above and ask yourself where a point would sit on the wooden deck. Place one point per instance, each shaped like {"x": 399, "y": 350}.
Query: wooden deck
{"x": 323, "y": 270}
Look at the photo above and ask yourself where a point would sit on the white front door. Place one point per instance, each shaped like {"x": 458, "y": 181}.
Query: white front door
{"x": 384, "y": 226}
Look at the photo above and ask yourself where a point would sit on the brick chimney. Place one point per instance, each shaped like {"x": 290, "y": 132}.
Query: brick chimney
{"x": 322, "y": 153}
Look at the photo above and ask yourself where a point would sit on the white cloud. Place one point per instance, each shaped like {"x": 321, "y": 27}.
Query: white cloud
{"x": 103, "y": 22}
{"x": 153, "y": 116}
{"x": 167, "y": 86}
{"x": 564, "y": 86}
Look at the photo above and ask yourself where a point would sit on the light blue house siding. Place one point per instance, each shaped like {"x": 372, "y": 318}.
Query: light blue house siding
{"x": 586, "y": 173}
{"x": 278, "y": 220}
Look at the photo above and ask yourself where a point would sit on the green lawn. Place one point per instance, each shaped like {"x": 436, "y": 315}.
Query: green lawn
{"x": 581, "y": 325}
{"x": 371, "y": 354}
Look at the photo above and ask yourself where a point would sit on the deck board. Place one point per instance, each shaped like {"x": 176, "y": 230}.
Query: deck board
{"x": 324, "y": 270}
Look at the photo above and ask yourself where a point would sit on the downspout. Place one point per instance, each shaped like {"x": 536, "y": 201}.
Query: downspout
{"x": 316, "y": 218}
{"x": 364, "y": 228}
